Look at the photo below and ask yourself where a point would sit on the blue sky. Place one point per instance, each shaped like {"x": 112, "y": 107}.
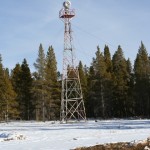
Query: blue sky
{"x": 24, "y": 24}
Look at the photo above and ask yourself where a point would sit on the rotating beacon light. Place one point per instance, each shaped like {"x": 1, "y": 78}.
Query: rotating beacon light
{"x": 67, "y": 4}
{"x": 66, "y": 13}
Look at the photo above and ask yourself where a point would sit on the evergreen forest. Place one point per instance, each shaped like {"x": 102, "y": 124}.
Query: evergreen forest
{"x": 112, "y": 86}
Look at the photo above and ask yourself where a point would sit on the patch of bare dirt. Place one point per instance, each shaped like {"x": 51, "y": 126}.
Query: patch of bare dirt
{"x": 144, "y": 145}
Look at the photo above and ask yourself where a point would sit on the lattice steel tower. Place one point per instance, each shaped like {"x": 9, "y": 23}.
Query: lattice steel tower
{"x": 72, "y": 104}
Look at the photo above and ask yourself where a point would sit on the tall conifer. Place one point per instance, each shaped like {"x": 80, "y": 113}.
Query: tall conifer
{"x": 38, "y": 85}
{"x": 142, "y": 74}
{"x": 51, "y": 82}
{"x": 83, "y": 79}
{"x": 108, "y": 83}
{"x": 8, "y": 103}
{"x": 26, "y": 85}
{"x": 120, "y": 83}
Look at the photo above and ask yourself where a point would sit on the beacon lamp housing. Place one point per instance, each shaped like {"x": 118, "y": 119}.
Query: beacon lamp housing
{"x": 67, "y": 4}
{"x": 66, "y": 12}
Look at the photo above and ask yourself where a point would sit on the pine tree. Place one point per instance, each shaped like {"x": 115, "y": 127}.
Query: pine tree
{"x": 107, "y": 57}
{"x": 40, "y": 63}
{"x": 142, "y": 72}
{"x": 38, "y": 88}
{"x": 11, "y": 104}
{"x": 130, "y": 109}
{"x": 100, "y": 75}
{"x": 99, "y": 103}
{"x": 15, "y": 79}
{"x": 99, "y": 67}
{"x": 8, "y": 103}
{"x": 2, "y": 90}
{"x": 83, "y": 79}
{"x": 120, "y": 84}
{"x": 26, "y": 98}
{"x": 108, "y": 84}
{"x": 22, "y": 84}
{"x": 91, "y": 96}
{"x": 52, "y": 85}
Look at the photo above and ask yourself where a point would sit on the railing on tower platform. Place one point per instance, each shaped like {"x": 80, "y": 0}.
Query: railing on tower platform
{"x": 64, "y": 13}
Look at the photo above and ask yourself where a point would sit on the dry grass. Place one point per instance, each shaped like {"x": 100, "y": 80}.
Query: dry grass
{"x": 120, "y": 146}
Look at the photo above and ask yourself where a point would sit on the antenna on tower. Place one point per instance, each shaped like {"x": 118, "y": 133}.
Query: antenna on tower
{"x": 72, "y": 104}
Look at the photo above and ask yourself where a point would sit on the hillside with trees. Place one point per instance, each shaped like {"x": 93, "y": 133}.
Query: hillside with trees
{"x": 112, "y": 86}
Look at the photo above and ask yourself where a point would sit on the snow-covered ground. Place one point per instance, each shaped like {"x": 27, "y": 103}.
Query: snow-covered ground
{"x": 56, "y": 136}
